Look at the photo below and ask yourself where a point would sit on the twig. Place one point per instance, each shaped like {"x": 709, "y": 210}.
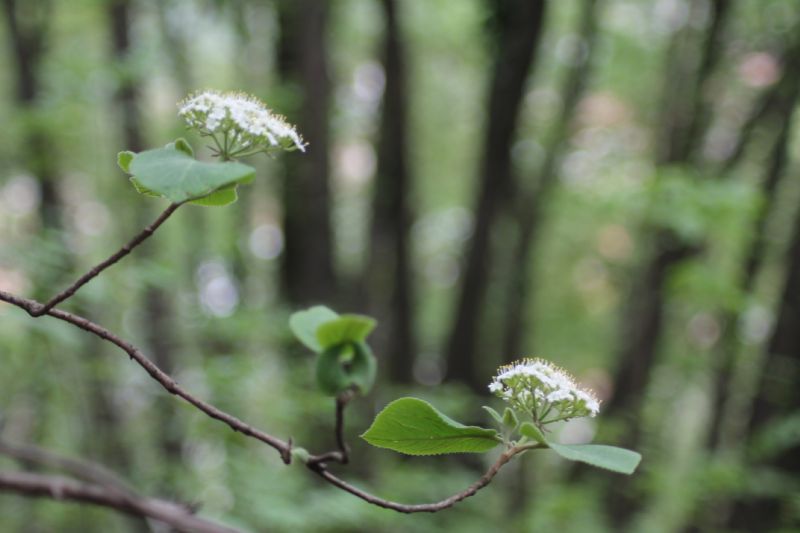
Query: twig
{"x": 61, "y": 488}
{"x": 341, "y": 402}
{"x": 484, "y": 480}
{"x": 341, "y": 455}
{"x": 156, "y": 373}
{"x": 78, "y": 468}
{"x": 317, "y": 464}
{"x": 97, "y": 269}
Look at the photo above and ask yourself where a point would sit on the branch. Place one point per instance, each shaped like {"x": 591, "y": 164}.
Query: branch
{"x": 314, "y": 463}
{"x": 94, "y": 272}
{"x": 61, "y": 488}
{"x": 341, "y": 455}
{"x": 78, "y": 468}
{"x": 484, "y": 480}
{"x": 155, "y": 372}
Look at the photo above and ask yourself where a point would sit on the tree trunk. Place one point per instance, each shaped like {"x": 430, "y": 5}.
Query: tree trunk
{"x": 528, "y": 208}
{"x": 779, "y": 117}
{"x": 684, "y": 106}
{"x": 158, "y": 316}
{"x": 307, "y": 267}
{"x": 778, "y": 397}
{"x": 27, "y": 23}
{"x": 693, "y": 56}
{"x": 387, "y": 278}
{"x": 521, "y": 28}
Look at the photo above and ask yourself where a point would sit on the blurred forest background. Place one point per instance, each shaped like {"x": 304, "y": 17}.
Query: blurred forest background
{"x": 610, "y": 184}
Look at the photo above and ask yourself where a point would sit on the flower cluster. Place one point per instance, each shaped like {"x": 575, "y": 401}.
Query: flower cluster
{"x": 543, "y": 390}
{"x": 238, "y": 123}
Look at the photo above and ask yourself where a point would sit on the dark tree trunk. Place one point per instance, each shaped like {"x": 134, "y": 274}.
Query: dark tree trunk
{"x": 684, "y": 106}
{"x": 158, "y": 315}
{"x": 307, "y": 268}
{"x": 693, "y": 56}
{"x": 778, "y": 396}
{"x": 725, "y": 430}
{"x": 521, "y": 26}
{"x": 27, "y": 22}
{"x": 529, "y": 204}
{"x": 388, "y": 276}
{"x": 778, "y": 116}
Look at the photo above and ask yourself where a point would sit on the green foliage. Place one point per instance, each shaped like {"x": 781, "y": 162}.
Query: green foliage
{"x": 608, "y": 457}
{"x": 124, "y": 160}
{"x": 182, "y": 145}
{"x": 414, "y": 427}
{"x": 304, "y": 325}
{"x": 224, "y": 196}
{"x": 345, "y": 366}
{"x": 173, "y": 173}
{"x": 510, "y": 418}
{"x": 694, "y": 207}
{"x": 345, "y": 360}
{"x": 344, "y": 329}
{"x": 531, "y": 431}
{"x": 494, "y": 414}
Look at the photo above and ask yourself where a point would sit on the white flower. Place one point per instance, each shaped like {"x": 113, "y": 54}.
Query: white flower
{"x": 548, "y": 393}
{"x": 240, "y": 124}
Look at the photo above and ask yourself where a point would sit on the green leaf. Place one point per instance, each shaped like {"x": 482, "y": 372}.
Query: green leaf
{"x": 124, "y": 160}
{"x": 346, "y": 366}
{"x": 414, "y": 427}
{"x": 224, "y": 196}
{"x": 304, "y": 324}
{"x": 532, "y": 432}
{"x": 608, "y": 457}
{"x": 183, "y": 145}
{"x": 494, "y": 414}
{"x": 344, "y": 329}
{"x": 141, "y": 189}
{"x": 510, "y": 418}
{"x": 175, "y": 175}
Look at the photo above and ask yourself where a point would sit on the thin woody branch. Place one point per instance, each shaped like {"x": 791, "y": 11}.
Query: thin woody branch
{"x": 341, "y": 454}
{"x": 315, "y": 463}
{"x": 77, "y": 468}
{"x": 484, "y": 480}
{"x": 97, "y": 269}
{"x": 65, "y": 489}
{"x": 164, "y": 379}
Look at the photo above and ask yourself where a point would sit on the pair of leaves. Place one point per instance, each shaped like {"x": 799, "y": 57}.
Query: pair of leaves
{"x": 345, "y": 360}
{"x": 414, "y": 427}
{"x": 173, "y": 173}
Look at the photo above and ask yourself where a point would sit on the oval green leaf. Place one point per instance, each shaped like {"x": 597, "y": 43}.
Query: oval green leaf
{"x": 304, "y": 324}
{"x": 608, "y": 457}
{"x": 177, "y": 176}
{"x": 414, "y": 427}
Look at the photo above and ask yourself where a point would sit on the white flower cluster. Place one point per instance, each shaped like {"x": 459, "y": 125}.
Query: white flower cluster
{"x": 548, "y": 393}
{"x": 239, "y": 123}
